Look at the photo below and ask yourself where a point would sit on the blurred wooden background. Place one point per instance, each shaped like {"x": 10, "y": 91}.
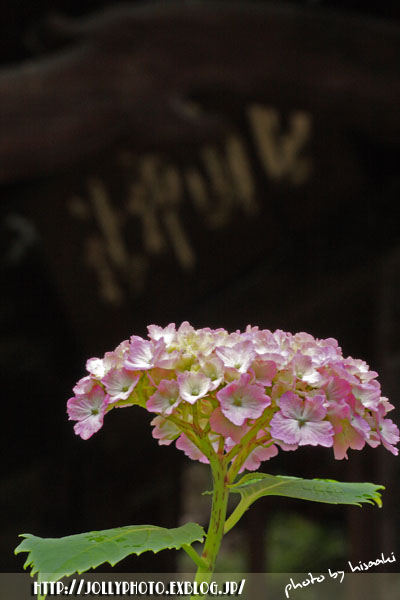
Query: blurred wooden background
{"x": 226, "y": 163}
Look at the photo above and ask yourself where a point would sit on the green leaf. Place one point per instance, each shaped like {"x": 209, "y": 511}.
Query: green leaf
{"x": 256, "y": 485}
{"x": 54, "y": 558}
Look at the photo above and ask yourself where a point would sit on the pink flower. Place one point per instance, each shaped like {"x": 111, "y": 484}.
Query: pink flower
{"x": 84, "y": 386}
{"x": 240, "y": 400}
{"x": 220, "y": 424}
{"x": 239, "y": 357}
{"x": 120, "y": 384}
{"x": 167, "y": 334}
{"x": 301, "y": 421}
{"x": 257, "y": 456}
{"x": 164, "y": 431}
{"x": 389, "y": 434}
{"x": 337, "y": 389}
{"x": 263, "y": 341}
{"x": 305, "y": 370}
{"x": 96, "y": 367}
{"x": 369, "y": 394}
{"x": 183, "y": 443}
{"x": 264, "y": 371}
{"x": 193, "y": 385}
{"x": 186, "y": 334}
{"x": 315, "y": 395}
{"x": 359, "y": 368}
{"x": 212, "y": 368}
{"x": 89, "y": 411}
{"x": 157, "y": 374}
{"x": 349, "y": 434}
{"x": 193, "y": 342}
{"x": 142, "y": 354}
{"x": 191, "y": 450}
{"x": 165, "y": 399}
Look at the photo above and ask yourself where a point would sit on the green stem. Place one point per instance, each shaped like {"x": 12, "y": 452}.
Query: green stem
{"x": 217, "y": 521}
{"x": 236, "y": 515}
{"x": 249, "y": 436}
{"x": 194, "y": 556}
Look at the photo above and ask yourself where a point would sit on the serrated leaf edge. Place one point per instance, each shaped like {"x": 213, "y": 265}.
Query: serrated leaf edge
{"x": 30, "y": 561}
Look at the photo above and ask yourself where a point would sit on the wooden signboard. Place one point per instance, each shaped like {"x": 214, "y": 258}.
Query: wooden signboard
{"x": 184, "y": 147}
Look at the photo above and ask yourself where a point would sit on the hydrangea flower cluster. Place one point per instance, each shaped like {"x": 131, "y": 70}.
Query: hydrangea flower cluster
{"x": 243, "y": 395}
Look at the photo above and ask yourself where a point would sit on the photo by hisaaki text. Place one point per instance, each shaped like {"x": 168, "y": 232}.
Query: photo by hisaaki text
{"x": 297, "y": 583}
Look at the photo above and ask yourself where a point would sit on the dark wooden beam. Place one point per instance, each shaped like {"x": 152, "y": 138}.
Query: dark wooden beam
{"x": 129, "y": 73}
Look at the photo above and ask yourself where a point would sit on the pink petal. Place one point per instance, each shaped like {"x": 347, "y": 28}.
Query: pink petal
{"x": 348, "y": 437}
{"x": 291, "y": 405}
{"x": 86, "y": 428}
{"x": 193, "y": 385}
{"x": 314, "y": 409}
{"x": 143, "y": 354}
{"x": 168, "y": 334}
{"x": 369, "y": 394}
{"x": 213, "y": 368}
{"x": 165, "y": 399}
{"x": 89, "y": 411}
{"x": 84, "y": 385}
{"x": 120, "y": 384}
{"x": 192, "y": 451}
{"x": 389, "y": 433}
{"x": 282, "y": 428}
{"x": 239, "y": 356}
{"x": 264, "y": 371}
{"x": 257, "y": 456}
{"x": 96, "y": 367}
{"x": 240, "y": 400}
{"x": 337, "y": 389}
{"x": 316, "y": 434}
{"x": 164, "y": 431}
{"x": 220, "y": 424}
